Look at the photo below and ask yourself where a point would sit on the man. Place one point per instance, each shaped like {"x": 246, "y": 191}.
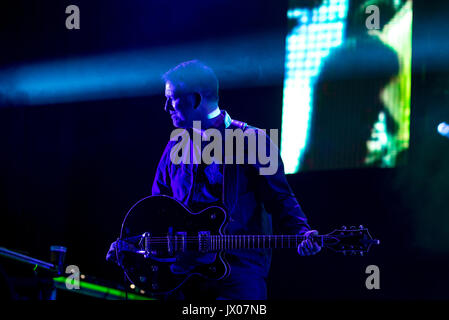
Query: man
{"x": 251, "y": 199}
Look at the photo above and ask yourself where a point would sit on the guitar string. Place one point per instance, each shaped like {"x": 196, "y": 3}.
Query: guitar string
{"x": 236, "y": 235}
{"x": 231, "y": 237}
{"x": 235, "y": 241}
{"x": 246, "y": 239}
{"x": 250, "y": 238}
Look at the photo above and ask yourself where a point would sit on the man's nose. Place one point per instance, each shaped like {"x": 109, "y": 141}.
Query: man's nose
{"x": 168, "y": 105}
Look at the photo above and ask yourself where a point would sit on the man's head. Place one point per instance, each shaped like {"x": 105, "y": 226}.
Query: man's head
{"x": 191, "y": 89}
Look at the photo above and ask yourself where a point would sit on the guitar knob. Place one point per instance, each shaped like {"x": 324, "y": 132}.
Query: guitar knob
{"x": 154, "y": 286}
{"x": 213, "y": 216}
{"x": 154, "y": 268}
{"x": 213, "y": 269}
{"x": 361, "y": 253}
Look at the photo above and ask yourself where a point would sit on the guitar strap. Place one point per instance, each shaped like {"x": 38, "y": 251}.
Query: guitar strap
{"x": 234, "y": 123}
{"x": 229, "y": 193}
{"x": 239, "y": 124}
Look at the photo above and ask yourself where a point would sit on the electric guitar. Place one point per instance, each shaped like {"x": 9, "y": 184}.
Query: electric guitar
{"x": 167, "y": 243}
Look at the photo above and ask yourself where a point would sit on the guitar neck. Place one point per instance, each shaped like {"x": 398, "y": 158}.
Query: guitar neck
{"x": 218, "y": 242}
{"x": 206, "y": 242}
{"x": 345, "y": 241}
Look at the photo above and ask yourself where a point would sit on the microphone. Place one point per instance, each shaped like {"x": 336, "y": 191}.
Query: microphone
{"x": 443, "y": 129}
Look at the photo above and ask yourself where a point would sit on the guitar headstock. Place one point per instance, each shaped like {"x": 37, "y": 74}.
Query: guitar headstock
{"x": 350, "y": 241}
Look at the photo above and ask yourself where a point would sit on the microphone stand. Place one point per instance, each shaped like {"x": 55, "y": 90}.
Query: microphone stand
{"x": 48, "y": 292}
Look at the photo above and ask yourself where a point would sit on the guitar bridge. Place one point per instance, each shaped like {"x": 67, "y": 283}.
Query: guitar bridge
{"x": 146, "y": 244}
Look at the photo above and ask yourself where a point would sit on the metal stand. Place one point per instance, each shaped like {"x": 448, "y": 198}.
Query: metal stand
{"x": 46, "y": 285}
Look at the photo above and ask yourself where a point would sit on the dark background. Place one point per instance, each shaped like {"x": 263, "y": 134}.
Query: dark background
{"x": 69, "y": 172}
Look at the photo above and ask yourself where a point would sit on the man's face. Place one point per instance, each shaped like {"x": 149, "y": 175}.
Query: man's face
{"x": 180, "y": 106}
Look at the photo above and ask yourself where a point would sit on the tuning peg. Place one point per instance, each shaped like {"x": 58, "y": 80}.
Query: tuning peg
{"x": 361, "y": 227}
{"x": 352, "y": 228}
{"x": 343, "y": 228}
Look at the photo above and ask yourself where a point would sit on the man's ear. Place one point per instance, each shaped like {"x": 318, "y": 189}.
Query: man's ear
{"x": 197, "y": 100}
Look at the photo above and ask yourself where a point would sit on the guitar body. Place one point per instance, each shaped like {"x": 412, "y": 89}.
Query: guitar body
{"x": 174, "y": 254}
{"x": 166, "y": 244}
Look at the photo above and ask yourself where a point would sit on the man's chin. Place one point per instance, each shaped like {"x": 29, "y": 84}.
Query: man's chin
{"x": 178, "y": 123}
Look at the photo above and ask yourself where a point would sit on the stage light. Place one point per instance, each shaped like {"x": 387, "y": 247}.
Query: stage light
{"x": 99, "y": 291}
{"x": 138, "y": 73}
{"x": 443, "y": 129}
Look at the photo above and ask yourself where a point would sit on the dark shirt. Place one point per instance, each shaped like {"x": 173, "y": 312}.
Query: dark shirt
{"x": 256, "y": 204}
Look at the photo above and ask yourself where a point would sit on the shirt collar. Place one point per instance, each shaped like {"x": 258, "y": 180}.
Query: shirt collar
{"x": 221, "y": 118}
{"x": 214, "y": 113}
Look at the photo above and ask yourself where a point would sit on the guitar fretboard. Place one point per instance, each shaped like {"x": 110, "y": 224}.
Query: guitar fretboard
{"x": 218, "y": 242}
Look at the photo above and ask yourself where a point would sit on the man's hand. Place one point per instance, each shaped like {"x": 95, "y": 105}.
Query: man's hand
{"x": 116, "y": 249}
{"x": 308, "y": 246}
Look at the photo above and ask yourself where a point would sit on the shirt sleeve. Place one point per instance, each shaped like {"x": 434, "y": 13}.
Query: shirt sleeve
{"x": 161, "y": 183}
{"x": 278, "y": 197}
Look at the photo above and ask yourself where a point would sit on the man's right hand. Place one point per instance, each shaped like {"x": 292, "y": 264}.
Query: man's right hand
{"x": 116, "y": 250}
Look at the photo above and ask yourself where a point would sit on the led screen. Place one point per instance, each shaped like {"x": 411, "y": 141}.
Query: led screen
{"x": 346, "y": 99}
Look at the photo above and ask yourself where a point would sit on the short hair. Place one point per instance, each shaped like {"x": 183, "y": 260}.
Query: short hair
{"x": 194, "y": 76}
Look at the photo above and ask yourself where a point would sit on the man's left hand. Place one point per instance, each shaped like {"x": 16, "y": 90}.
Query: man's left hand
{"x": 309, "y": 246}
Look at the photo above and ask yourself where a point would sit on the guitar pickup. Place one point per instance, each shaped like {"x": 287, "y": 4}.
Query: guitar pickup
{"x": 204, "y": 241}
{"x": 180, "y": 241}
